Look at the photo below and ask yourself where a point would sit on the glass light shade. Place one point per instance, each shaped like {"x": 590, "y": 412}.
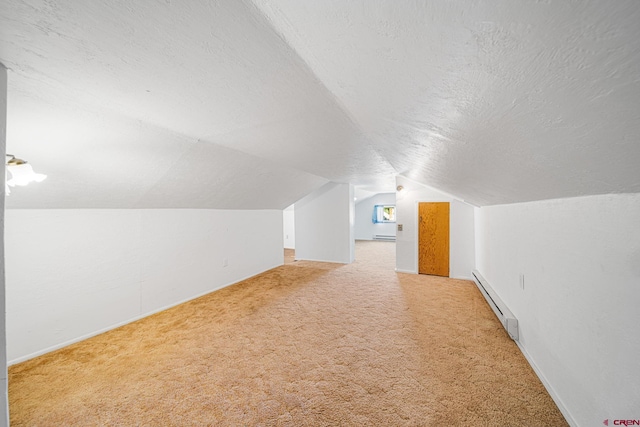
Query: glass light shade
{"x": 23, "y": 174}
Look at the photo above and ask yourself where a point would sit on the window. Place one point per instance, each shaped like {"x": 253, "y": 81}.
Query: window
{"x": 384, "y": 213}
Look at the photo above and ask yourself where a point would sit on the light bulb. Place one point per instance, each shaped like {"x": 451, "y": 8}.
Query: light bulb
{"x": 23, "y": 174}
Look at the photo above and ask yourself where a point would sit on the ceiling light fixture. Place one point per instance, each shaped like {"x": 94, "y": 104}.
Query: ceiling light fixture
{"x": 21, "y": 173}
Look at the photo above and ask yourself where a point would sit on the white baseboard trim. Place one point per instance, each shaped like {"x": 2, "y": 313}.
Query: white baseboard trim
{"x": 125, "y": 322}
{"x": 558, "y": 401}
{"x": 321, "y": 260}
{"x": 399, "y": 270}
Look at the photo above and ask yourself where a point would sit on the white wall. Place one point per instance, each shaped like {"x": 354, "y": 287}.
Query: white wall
{"x": 461, "y": 229}
{"x": 579, "y": 313}
{"x": 324, "y": 225}
{"x": 289, "y": 228}
{"x": 4, "y": 401}
{"x": 462, "y": 240}
{"x": 364, "y": 228}
{"x": 73, "y": 273}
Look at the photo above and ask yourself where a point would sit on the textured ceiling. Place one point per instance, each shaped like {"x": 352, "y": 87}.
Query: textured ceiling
{"x": 247, "y": 105}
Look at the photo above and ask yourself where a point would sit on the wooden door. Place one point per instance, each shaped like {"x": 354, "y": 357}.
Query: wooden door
{"x": 433, "y": 239}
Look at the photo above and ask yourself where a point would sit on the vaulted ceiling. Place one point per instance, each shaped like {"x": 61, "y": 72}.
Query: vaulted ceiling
{"x": 254, "y": 104}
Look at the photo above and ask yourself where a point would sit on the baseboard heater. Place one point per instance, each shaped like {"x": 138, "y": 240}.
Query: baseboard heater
{"x": 384, "y": 237}
{"x": 505, "y": 316}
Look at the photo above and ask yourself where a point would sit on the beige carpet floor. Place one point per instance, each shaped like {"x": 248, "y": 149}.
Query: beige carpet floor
{"x": 305, "y": 344}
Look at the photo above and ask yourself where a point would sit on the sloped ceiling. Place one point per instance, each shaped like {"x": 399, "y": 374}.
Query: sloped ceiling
{"x": 249, "y": 105}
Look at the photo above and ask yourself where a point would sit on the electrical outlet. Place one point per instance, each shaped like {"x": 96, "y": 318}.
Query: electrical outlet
{"x": 522, "y": 281}
{"x": 399, "y": 227}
